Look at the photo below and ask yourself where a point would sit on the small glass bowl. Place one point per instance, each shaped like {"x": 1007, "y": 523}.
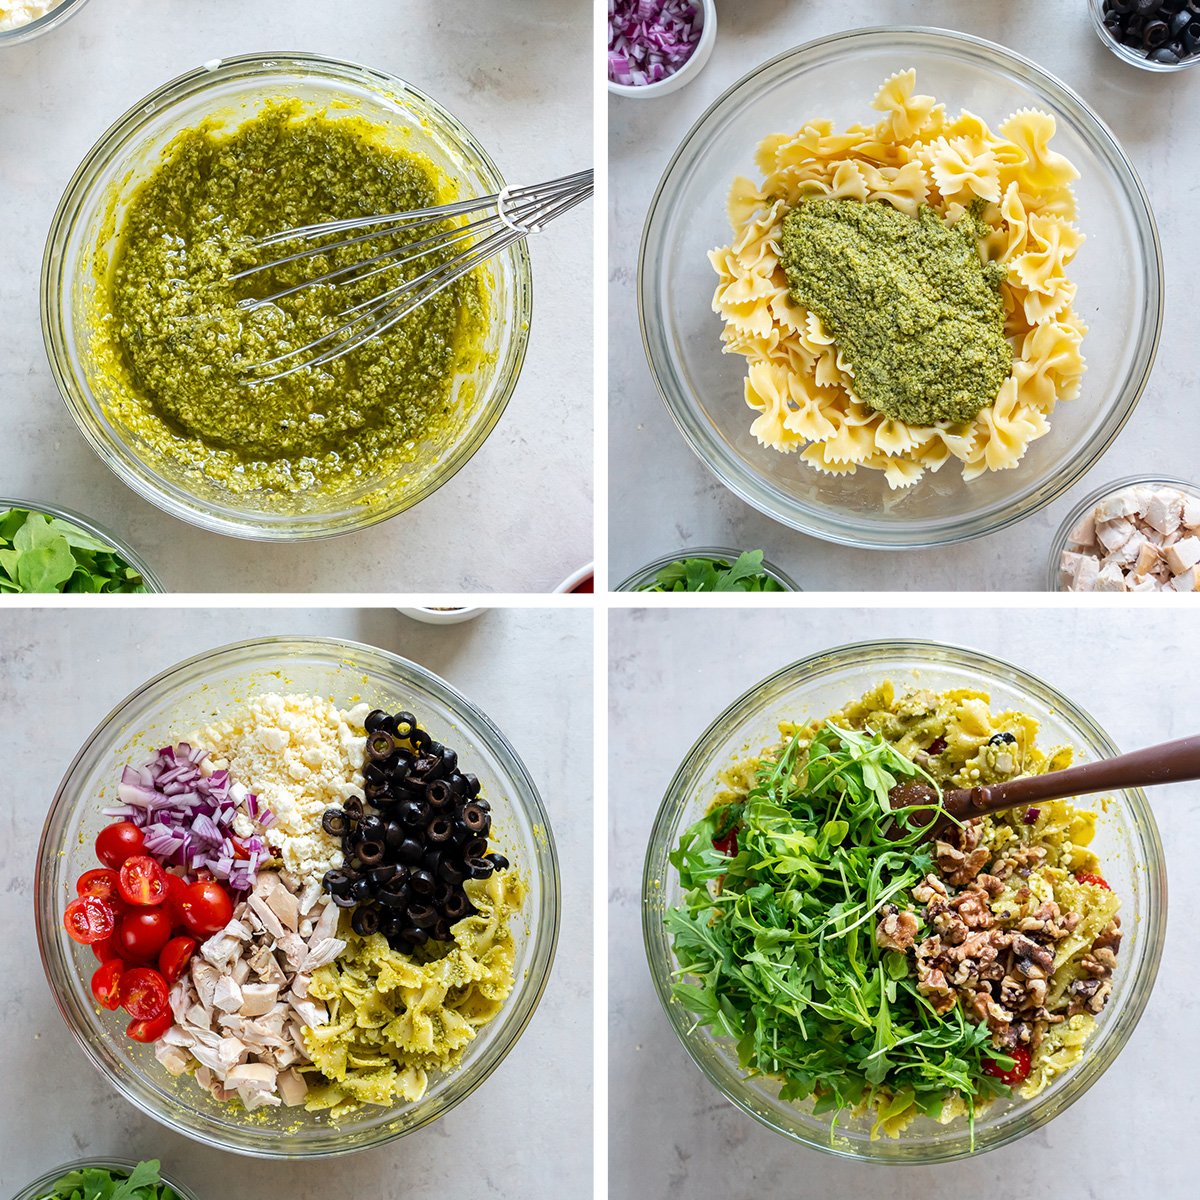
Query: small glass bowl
{"x": 646, "y": 574}
{"x": 1118, "y": 271}
{"x": 37, "y": 1189}
{"x": 1128, "y": 53}
{"x": 1126, "y": 841}
{"x": 692, "y": 65}
{"x": 43, "y": 24}
{"x": 193, "y": 693}
{"x": 1054, "y": 582}
{"x": 235, "y": 89}
{"x": 151, "y": 581}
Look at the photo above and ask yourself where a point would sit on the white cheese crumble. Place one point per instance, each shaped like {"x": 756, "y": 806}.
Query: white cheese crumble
{"x": 300, "y": 755}
{"x": 15, "y": 13}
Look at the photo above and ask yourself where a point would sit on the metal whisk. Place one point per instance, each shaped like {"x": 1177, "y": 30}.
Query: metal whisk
{"x": 495, "y": 223}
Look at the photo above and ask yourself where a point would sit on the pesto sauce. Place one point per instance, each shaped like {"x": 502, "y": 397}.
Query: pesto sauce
{"x": 915, "y": 311}
{"x": 178, "y": 347}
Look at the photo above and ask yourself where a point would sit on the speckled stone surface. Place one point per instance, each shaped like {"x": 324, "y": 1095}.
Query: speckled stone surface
{"x": 518, "y": 516}
{"x": 672, "y": 1135}
{"x": 526, "y": 1134}
{"x": 663, "y": 497}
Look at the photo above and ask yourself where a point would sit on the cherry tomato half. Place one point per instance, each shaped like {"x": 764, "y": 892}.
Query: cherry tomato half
{"x": 150, "y": 1030}
{"x": 142, "y": 933}
{"x": 1098, "y": 880}
{"x": 144, "y": 993}
{"x": 115, "y": 843}
{"x": 207, "y": 908}
{"x": 728, "y": 845}
{"x": 142, "y": 881}
{"x": 105, "y": 949}
{"x": 88, "y": 919}
{"x": 175, "y": 956}
{"x": 106, "y": 984}
{"x": 1017, "y": 1073}
{"x": 100, "y": 882}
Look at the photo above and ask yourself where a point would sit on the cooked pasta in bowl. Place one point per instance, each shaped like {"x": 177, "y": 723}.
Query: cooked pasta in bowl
{"x": 899, "y": 287}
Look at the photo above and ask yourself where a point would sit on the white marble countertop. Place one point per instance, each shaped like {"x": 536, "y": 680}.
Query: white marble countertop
{"x": 518, "y": 516}
{"x": 671, "y": 1132}
{"x": 665, "y": 498}
{"x": 515, "y": 1138}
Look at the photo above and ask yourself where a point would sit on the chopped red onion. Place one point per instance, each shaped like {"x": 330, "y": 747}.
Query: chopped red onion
{"x": 649, "y": 40}
{"x": 1031, "y": 816}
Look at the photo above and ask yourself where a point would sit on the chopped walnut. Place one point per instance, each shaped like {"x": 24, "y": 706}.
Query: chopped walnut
{"x": 897, "y": 930}
{"x": 929, "y": 887}
{"x": 1088, "y": 995}
{"x": 932, "y": 985}
{"x": 959, "y": 867}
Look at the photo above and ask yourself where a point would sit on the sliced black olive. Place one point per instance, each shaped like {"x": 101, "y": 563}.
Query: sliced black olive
{"x": 376, "y": 719}
{"x": 337, "y": 883}
{"x": 365, "y": 921}
{"x": 449, "y": 760}
{"x": 404, "y": 724}
{"x": 441, "y": 893}
{"x": 458, "y": 783}
{"x": 1002, "y": 739}
{"x": 413, "y": 813}
{"x": 439, "y": 794}
{"x": 432, "y": 862}
{"x": 475, "y": 819}
{"x": 1155, "y": 34}
{"x": 378, "y": 793}
{"x": 456, "y": 906}
{"x": 372, "y": 827}
{"x": 335, "y": 822}
{"x": 498, "y": 861}
{"x": 419, "y": 738}
{"x": 472, "y": 785}
{"x": 441, "y": 930}
{"x": 374, "y": 773}
{"x": 440, "y": 829}
{"x": 1164, "y": 54}
{"x": 380, "y": 745}
{"x": 353, "y": 807}
{"x": 418, "y": 937}
{"x": 400, "y": 944}
{"x": 480, "y": 802}
{"x": 394, "y": 896}
{"x": 421, "y": 916}
{"x": 478, "y": 868}
{"x": 421, "y": 882}
{"x": 475, "y": 848}
{"x": 345, "y": 901}
{"x": 410, "y": 851}
{"x": 370, "y": 853}
{"x": 393, "y": 835}
{"x": 452, "y": 871}
{"x": 1191, "y": 37}
{"x": 1179, "y": 22}
{"x": 426, "y": 767}
{"x": 360, "y": 889}
{"x": 380, "y": 875}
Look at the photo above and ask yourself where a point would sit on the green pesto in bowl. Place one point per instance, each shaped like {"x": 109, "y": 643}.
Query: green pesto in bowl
{"x": 177, "y": 352}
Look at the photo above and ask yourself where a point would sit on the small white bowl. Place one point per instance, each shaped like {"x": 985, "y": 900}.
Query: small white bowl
{"x": 441, "y": 616}
{"x": 61, "y": 12}
{"x": 573, "y": 581}
{"x": 690, "y": 69}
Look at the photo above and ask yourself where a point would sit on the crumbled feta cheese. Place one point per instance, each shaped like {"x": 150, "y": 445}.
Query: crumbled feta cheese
{"x": 15, "y": 13}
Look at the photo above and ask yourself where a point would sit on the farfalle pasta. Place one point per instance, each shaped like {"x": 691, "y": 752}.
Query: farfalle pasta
{"x": 799, "y": 382}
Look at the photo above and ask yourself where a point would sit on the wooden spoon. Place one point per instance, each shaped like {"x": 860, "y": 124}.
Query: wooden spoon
{"x": 1172, "y": 762}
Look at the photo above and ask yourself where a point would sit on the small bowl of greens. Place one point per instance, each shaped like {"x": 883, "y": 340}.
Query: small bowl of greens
{"x": 105, "y": 1179}
{"x": 798, "y": 947}
{"x": 47, "y": 549}
{"x": 710, "y": 569}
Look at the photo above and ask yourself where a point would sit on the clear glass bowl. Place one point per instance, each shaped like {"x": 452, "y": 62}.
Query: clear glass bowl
{"x": 152, "y": 582}
{"x": 43, "y": 24}
{"x": 38, "y": 1187}
{"x": 1053, "y": 574}
{"x": 1118, "y": 270}
{"x": 646, "y": 574}
{"x": 194, "y": 692}
{"x": 236, "y": 89}
{"x": 1126, "y": 841}
{"x": 1128, "y": 53}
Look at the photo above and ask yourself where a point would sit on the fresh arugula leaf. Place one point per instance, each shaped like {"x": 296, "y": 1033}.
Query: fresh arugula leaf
{"x": 746, "y": 574}
{"x": 99, "y": 1183}
{"x": 41, "y": 554}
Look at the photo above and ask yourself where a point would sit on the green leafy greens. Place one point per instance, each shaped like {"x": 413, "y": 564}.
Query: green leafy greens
{"x": 714, "y": 575}
{"x": 99, "y": 1183}
{"x": 776, "y": 944}
{"x": 39, "y": 553}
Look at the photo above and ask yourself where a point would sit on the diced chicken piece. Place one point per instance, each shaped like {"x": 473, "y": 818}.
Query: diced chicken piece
{"x": 231, "y": 1051}
{"x": 1165, "y": 511}
{"x": 1110, "y": 579}
{"x": 309, "y": 896}
{"x": 320, "y": 953}
{"x": 1183, "y": 555}
{"x": 198, "y": 1016}
{"x": 204, "y": 980}
{"x": 288, "y": 1054}
{"x": 299, "y": 988}
{"x": 240, "y": 971}
{"x": 311, "y": 1012}
{"x": 180, "y": 998}
{"x": 258, "y": 999}
{"x": 174, "y": 1059}
{"x": 1085, "y": 576}
{"x": 1187, "y": 581}
{"x": 220, "y": 950}
{"x": 210, "y": 1056}
{"x": 1147, "y": 583}
{"x": 237, "y": 929}
{"x": 305, "y": 928}
{"x": 254, "y": 1083}
{"x": 1147, "y": 559}
{"x": 1191, "y": 512}
{"x": 292, "y": 1088}
{"x": 1084, "y": 533}
{"x": 1114, "y": 534}
{"x": 293, "y": 948}
{"x": 327, "y": 923}
{"x": 1121, "y": 504}
{"x": 178, "y": 1035}
{"x": 228, "y": 996}
{"x": 263, "y": 911}
{"x": 285, "y": 906}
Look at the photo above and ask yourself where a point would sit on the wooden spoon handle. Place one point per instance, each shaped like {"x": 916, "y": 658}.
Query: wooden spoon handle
{"x": 1172, "y": 762}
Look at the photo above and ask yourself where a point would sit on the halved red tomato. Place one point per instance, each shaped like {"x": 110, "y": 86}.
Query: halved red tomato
{"x": 1098, "y": 880}
{"x": 175, "y": 956}
{"x": 150, "y": 1030}
{"x": 142, "y": 881}
{"x": 100, "y": 882}
{"x": 1017, "y": 1073}
{"x": 144, "y": 993}
{"x": 88, "y": 919}
{"x": 106, "y": 984}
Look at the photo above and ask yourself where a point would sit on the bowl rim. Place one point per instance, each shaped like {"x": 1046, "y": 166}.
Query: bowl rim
{"x": 528, "y": 989}
{"x": 1058, "y": 543}
{"x": 63, "y": 11}
{"x": 34, "y": 1186}
{"x": 90, "y": 418}
{"x": 771, "y": 503}
{"x": 645, "y": 573}
{"x": 1142, "y": 818}
{"x": 154, "y": 585}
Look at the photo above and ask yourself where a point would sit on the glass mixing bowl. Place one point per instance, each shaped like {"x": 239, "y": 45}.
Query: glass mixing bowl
{"x": 1118, "y": 270}
{"x": 193, "y": 693}
{"x": 151, "y": 581}
{"x": 1126, "y": 841}
{"x": 639, "y": 579}
{"x": 1135, "y": 57}
{"x": 38, "y": 1187}
{"x": 235, "y": 90}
